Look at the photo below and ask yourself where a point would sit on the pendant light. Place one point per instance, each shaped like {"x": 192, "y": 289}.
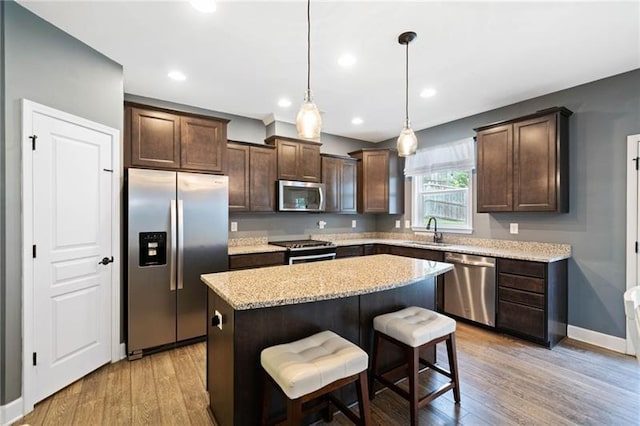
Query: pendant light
{"x": 308, "y": 121}
{"x": 407, "y": 141}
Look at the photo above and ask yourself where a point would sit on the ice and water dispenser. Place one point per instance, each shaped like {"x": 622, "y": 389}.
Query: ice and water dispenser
{"x": 153, "y": 248}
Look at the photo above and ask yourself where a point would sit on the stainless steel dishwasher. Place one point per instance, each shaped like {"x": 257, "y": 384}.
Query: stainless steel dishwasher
{"x": 470, "y": 288}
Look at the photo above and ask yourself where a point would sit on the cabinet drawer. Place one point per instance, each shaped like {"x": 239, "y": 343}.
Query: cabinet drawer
{"x": 523, "y": 297}
{"x": 382, "y": 249}
{"x": 521, "y": 283}
{"x": 522, "y": 267}
{"x": 349, "y": 251}
{"x": 521, "y": 319}
{"x": 369, "y": 249}
{"x": 257, "y": 260}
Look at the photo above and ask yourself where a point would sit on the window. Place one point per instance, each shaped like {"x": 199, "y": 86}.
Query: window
{"x": 442, "y": 185}
{"x": 445, "y": 195}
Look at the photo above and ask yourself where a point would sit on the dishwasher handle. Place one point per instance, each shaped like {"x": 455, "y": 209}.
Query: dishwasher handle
{"x": 452, "y": 258}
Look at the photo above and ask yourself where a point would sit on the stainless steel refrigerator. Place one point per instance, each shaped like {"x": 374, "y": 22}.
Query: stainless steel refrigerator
{"x": 177, "y": 230}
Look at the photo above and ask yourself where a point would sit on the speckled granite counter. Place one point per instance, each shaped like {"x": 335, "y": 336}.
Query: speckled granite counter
{"x": 520, "y": 250}
{"x": 257, "y": 248}
{"x": 311, "y": 282}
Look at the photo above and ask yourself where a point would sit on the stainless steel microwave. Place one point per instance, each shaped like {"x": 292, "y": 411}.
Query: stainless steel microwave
{"x": 295, "y": 196}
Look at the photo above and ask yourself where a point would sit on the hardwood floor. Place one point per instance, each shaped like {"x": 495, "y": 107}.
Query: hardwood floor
{"x": 503, "y": 380}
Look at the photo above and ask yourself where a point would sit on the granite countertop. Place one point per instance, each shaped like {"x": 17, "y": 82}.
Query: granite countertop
{"x": 519, "y": 250}
{"x": 311, "y": 282}
{"x": 540, "y": 253}
{"x": 256, "y": 248}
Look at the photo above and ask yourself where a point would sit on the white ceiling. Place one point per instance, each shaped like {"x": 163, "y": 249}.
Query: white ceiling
{"x": 245, "y": 56}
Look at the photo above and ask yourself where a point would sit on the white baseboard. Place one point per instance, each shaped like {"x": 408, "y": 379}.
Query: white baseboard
{"x": 11, "y": 412}
{"x": 123, "y": 351}
{"x": 616, "y": 344}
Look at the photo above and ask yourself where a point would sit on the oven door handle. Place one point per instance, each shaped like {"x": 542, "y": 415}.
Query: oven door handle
{"x": 293, "y": 259}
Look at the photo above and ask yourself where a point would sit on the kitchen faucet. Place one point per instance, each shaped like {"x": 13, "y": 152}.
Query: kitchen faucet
{"x": 437, "y": 236}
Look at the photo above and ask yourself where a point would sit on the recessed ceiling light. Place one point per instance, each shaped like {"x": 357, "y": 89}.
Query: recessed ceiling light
{"x": 204, "y": 6}
{"x": 346, "y": 60}
{"x": 357, "y": 121}
{"x": 427, "y": 93}
{"x": 177, "y": 76}
{"x": 284, "y": 103}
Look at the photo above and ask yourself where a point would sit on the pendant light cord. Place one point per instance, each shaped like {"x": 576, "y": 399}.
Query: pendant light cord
{"x": 406, "y": 94}
{"x": 308, "y": 44}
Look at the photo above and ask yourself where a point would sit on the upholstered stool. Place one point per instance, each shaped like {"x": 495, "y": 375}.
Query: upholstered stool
{"x": 412, "y": 329}
{"x": 314, "y": 367}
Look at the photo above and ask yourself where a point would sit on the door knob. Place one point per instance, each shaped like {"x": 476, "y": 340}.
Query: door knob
{"x": 105, "y": 261}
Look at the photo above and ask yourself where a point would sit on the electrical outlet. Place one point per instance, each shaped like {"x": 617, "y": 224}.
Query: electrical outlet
{"x": 353, "y": 223}
{"x": 513, "y": 228}
{"x": 321, "y": 224}
{"x": 407, "y": 224}
{"x": 217, "y": 319}
{"x": 397, "y": 224}
{"x": 234, "y": 226}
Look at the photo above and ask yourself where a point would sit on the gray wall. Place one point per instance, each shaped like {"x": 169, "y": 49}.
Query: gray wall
{"x": 281, "y": 226}
{"x": 605, "y": 113}
{"x": 48, "y": 66}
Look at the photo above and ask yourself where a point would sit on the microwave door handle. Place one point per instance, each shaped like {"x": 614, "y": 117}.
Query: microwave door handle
{"x": 321, "y": 206}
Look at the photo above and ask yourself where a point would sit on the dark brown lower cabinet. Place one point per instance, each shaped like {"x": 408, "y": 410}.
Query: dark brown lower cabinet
{"x": 349, "y": 251}
{"x": 532, "y": 300}
{"x": 255, "y": 260}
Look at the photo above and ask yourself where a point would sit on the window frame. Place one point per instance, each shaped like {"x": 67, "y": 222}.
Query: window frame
{"x": 416, "y": 203}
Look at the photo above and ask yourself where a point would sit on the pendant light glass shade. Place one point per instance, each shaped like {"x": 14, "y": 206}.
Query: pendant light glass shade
{"x": 407, "y": 142}
{"x": 308, "y": 121}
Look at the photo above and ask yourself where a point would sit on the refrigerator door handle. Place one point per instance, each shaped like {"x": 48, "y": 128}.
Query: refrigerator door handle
{"x": 172, "y": 262}
{"x": 180, "y": 245}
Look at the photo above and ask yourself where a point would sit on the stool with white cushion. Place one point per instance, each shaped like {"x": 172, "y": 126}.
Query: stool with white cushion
{"x": 314, "y": 367}
{"x": 412, "y": 329}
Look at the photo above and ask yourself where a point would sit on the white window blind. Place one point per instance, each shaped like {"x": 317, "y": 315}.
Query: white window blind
{"x": 458, "y": 155}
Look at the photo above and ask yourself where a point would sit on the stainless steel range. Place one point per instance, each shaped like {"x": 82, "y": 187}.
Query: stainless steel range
{"x": 301, "y": 251}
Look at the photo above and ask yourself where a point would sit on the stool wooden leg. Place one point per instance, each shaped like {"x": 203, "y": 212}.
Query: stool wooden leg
{"x": 363, "y": 399}
{"x": 453, "y": 365}
{"x": 266, "y": 399}
{"x": 414, "y": 367}
{"x": 328, "y": 412}
{"x": 374, "y": 364}
{"x": 294, "y": 411}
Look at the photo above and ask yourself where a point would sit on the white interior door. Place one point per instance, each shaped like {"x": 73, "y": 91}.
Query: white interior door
{"x": 633, "y": 223}
{"x": 72, "y": 229}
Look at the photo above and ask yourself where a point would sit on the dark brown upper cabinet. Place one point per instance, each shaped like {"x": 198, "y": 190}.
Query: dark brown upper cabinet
{"x": 339, "y": 174}
{"x": 523, "y": 164}
{"x": 252, "y": 177}
{"x": 203, "y": 144}
{"x": 379, "y": 180}
{"x": 162, "y": 139}
{"x": 154, "y": 138}
{"x": 297, "y": 159}
{"x": 238, "y": 172}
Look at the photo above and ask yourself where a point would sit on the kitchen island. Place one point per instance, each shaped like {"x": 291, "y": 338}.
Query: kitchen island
{"x": 268, "y": 306}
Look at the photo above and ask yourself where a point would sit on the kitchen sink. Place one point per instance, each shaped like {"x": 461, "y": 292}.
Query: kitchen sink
{"x": 427, "y": 244}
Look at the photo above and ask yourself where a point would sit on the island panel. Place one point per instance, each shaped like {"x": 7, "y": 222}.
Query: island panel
{"x": 233, "y": 362}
